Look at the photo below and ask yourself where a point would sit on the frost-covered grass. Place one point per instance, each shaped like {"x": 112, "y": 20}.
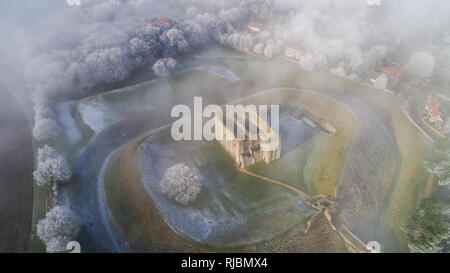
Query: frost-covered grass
{"x": 290, "y": 167}
{"x": 65, "y": 118}
{"x": 219, "y": 71}
{"x": 311, "y": 161}
{"x": 233, "y": 205}
{"x": 231, "y": 195}
{"x": 230, "y": 202}
{"x": 76, "y": 134}
{"x": 85, "y": 118}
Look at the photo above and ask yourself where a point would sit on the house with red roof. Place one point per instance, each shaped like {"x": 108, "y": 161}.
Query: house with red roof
{"x": 158, "y": 21}
{"x": 392, "y": 71}
{"x": 433, "y": 111}
{"x": 254, "y": 27}
{"x": 294, "y": 53}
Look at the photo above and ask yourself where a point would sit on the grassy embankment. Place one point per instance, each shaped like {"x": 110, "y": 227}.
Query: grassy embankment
{"x": 315, "y": 166}
{"x": 407, "y": 190}
{"x": 135, "y": 211}
{"x": 138, "y": 217}
{"x": 145, "y": 230}
{"x": 328, "y": 157}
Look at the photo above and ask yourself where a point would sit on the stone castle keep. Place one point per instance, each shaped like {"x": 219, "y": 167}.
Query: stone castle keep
{"x": 246, "y": 152}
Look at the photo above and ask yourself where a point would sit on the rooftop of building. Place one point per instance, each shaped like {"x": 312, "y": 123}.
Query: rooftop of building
{"x": 249, "y": 117}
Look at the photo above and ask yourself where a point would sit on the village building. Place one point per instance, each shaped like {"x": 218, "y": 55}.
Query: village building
{"x": 158, "y": 21}
{"x": 258, "y": 48}
{"x": 294, "y": 53}
{"x": 432, "y": 109}
{"x": 392, "y": 71}
{"x": 393, "y": 74}
{"x": 254, "y": 27}
{"x": 266, "y": 146}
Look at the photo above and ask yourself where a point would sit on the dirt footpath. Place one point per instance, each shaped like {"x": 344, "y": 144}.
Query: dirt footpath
{"x": 16, "y": 166}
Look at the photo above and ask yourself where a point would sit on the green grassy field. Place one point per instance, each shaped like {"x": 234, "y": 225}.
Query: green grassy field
{"x": 289, "y": 168}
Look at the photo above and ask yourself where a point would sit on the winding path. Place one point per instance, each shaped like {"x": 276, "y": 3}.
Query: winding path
{"x": 334, "y": 221}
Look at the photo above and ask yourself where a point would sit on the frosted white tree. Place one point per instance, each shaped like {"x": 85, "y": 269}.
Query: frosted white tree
{"x": 163, "y": 67}
{"x": 46, "y": 129}
{"x": 372, "y": 60}
{"x": 181, "y": 183}
{"x": 246, "y": 41}
{"x": 421, "y": 64}
{"x": 174, "y": 40}
{"x": 272, "y": 49}
{"x": 195, "y": 35}
{"x": 143, "y": 51}
{"x": 428, "y": 230}
{"x": 334, "y": 50}
{"x": 339, "y": 71}
{"x": 57, "y": 245}
{"x": 51, "y": 167}
{"x": 442, "y": 70}
{"x": 109, "y": 64}
{"x": 57, "y": 228}
{"x": 312, "y": 62}
{"x": 439, "y": 164}
{"x": 43, "y": 112}
{"x": 381, "y": 82}
{"x": 264, "y": 36}
{"x": 355, "y": 58}
{"x": 354, "y": 77}
{"x": 233, "y": 40}
{"x": 307, "y": 62}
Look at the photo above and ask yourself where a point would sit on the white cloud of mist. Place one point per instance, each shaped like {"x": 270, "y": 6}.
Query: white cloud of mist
{"x": 104, "y": 41}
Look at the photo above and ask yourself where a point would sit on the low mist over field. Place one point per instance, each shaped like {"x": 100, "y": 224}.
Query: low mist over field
{"x": 74, "y": 48}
